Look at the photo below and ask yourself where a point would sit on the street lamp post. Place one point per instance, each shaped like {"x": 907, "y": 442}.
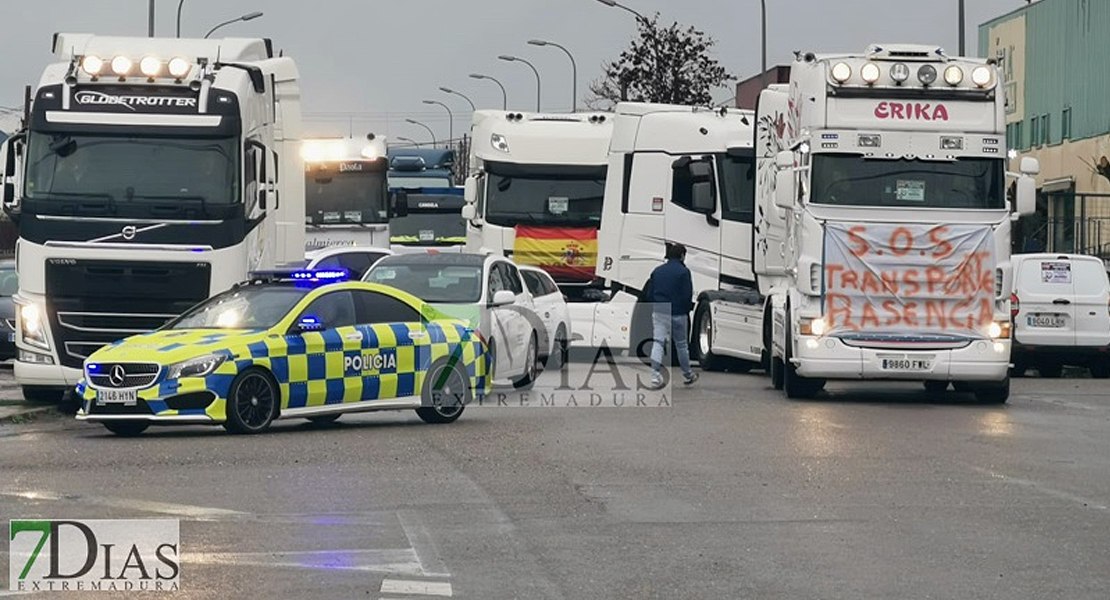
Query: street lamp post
{"x": 430, "y": 132}
{"x": 247, "y": 17}
{"x": 450, "y": 121}
{"x": 409, "y": 140}
{"x": 179, "y": 5}
{"x": 150, "y": 19}
{"x": 461, "y": 95}
{"x": 504, "y": 96}
{"x": 614, "y": 4}
{"x": 509, "y": 58}
{"x": 763, "y": 44}
{"x": 573, "y": 70}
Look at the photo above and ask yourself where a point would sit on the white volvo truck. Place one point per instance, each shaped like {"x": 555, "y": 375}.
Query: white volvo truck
{"x": 346, "y": 193}
{"x": 535, "y": 193}
{"x": 153, "y": 173}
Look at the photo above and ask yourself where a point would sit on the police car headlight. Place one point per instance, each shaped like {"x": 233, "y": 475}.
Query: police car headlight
{"x": 195, "y": 367}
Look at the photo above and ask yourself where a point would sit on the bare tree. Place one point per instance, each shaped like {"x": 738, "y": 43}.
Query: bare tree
{"x": 672, "y": 65}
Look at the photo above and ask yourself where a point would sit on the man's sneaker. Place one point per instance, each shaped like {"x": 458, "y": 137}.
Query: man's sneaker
{"x": 690, "y": 379}
{"x": 656, "y": 382}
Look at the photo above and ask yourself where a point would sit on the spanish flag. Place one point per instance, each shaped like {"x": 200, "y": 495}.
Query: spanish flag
{"x": 567, "y": 253}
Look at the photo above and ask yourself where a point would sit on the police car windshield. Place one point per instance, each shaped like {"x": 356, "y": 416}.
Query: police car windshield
{"x": 258, "y": 307}
{"x": 443, "y": 284}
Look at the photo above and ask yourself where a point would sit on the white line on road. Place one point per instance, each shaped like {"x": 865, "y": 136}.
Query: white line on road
{"x": 1040, "y": 487}
{"x": 421, "y": 542}
{"x": 391, "y": 561}
{"x": 167, "y": 508}
{"x": 424, "y": 588}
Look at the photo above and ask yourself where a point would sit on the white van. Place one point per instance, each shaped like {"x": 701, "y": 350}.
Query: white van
{"x": 1061, "y": 314}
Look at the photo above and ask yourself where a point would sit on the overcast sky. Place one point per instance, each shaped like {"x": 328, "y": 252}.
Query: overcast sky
{"x": 374, "y": 61}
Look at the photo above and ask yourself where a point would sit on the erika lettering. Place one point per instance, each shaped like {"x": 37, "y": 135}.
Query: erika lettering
{"x": 911, "y": 111}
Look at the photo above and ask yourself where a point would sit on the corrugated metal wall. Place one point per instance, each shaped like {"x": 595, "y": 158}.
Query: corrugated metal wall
{"x": 1067, "y": 74}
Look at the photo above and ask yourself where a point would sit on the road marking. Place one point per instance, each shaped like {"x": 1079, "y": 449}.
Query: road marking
{"x": 391, "y": 561}
{"x": 1040, "y": 487}
{"x": 199, "y": 513}
{"x": 423, "y": 588}
{"x": 421, "y": 541}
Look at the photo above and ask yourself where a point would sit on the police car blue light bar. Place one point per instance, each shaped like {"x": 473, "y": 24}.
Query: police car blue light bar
{"x": 302, "y": 275}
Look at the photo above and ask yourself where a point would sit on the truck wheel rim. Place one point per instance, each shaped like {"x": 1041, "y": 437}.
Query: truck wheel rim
{"x": 705, "y": 333}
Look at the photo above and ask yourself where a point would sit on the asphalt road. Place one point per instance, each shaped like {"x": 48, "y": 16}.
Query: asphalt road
{"x": 874, "y": 491}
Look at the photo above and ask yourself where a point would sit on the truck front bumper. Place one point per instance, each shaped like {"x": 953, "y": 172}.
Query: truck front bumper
{"x": 830, "y": 358}
{"x": 40, "y": 375}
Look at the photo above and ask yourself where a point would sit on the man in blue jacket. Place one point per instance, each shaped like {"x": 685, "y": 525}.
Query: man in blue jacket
{"x": 671, "y": 291}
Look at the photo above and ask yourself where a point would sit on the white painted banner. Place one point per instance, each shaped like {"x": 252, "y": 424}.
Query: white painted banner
{"x": 909, "y": 278}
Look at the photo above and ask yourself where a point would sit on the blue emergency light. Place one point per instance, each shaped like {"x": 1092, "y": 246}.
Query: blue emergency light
{"x": 306, "y": 276}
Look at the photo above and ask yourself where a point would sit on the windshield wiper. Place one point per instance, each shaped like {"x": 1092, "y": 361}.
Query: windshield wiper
{"x": 109, "y": 200}
{"x": 174, "y": 208}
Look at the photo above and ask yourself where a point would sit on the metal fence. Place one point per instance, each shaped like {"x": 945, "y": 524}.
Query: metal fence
{"x": 1068, "y": 223}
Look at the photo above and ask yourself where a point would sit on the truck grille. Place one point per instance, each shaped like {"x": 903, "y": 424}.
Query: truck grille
{"x": 92, "y": 303}
{"x": 124, "y": 375}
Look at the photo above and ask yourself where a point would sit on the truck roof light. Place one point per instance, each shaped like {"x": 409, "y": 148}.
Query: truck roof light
{"x": 870, "y": 73}
{"x": 951, "y": 142}
{"x": 841, "y": 72}
{"x": 370, "y": 152}
{"x": 92, "y": 64}
{"x": 150, "y": 66}
{"x": 869, "y": 140}
{"x": 982, "y": 76}
{"x": 121, "y": 66}
{"x": 899, "y": 72}
{"x": 953, "y": 75}
{"x": 179, "y": 67}
{"x": 927, "y": 74}
{"x": 499, "y": 142}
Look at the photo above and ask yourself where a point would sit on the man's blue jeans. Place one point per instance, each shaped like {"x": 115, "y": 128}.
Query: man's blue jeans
{"x": 664, "y": 327}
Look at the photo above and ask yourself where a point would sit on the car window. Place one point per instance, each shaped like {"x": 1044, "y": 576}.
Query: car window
{"x": 374, "y": 307}
{"x": 534, "y": 281}
{"x": 329, "y": 262}
{"x": 334, "y": 309}
{"x": 549, "y": 284}
{"x": 9, "y": 282}
{"x": 496, "y": 280}
{"x": 431, "y": 282}
{"x": 511, "y": 278}
{"x": 358, "y": 263}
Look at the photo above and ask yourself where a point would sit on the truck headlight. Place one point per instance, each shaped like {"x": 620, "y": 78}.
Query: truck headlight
{"x": 999, "y": 330}
{"x": 32, "y": 326}
{"x": 195, "y": 367}
{"x": 816, "y": 326}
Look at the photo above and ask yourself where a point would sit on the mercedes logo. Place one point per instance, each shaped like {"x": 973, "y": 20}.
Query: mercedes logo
{"x": 117, "y": 375}
{"x": 129, "y": 232}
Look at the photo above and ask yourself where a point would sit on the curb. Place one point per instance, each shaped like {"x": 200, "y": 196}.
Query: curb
{"x": 17, "y": 413}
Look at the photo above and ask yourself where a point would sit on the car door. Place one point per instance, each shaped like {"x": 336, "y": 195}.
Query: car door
{"x": 1091, "y": 302}
{"x": 503, "y": 328}
{"x": 522, "y": 314}
{"x": 395, "y": 351}
{"x": 321, "y": 337}
{"x": 1045, "y": 294}
{"x": 544, "y": 304}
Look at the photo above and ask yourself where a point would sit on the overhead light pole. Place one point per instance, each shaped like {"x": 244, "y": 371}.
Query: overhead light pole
{"x": 614, "y": 4}
{"x": 573, "y": 70}
{"x": 430, "y": 132}
{"x": 409, "y": 140}
{"x": 504, "y": 96}
{"x": 461, "y": 95}
{"x": 510, "y": 58}
{"x": 247, "y": 17}
{"x": 450, "y": 120}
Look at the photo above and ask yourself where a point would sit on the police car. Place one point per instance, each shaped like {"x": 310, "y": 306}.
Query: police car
{"x": 285, "y": 346}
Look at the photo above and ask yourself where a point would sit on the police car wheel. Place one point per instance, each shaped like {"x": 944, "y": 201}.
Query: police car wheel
{"x": 252, "y": 402}
{"x": 445, "y": 394}
{"x": 126, "y": 428}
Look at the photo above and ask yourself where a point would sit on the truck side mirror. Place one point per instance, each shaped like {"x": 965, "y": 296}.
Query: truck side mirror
{"x": 1025, "y": 199}
{"x": 1029, "y": 166}
{"x": 400, "y": 201}
{"x": 468, "y": 212}
{"x": 470, "y": 189}
{"x": 785, "y": 181}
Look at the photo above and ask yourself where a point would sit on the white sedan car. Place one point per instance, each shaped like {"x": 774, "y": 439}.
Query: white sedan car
{"x": 357, "y": 260}
{"x": 551, "y": 307}
{"x": 483, "y": 289}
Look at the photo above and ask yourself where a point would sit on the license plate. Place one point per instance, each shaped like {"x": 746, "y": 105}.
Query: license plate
{"x": 125, "y": 397}
{"x": 907, "y": 364}
{"x": 1045, "y": 320}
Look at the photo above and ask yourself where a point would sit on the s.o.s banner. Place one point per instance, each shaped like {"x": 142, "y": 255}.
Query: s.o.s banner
{"x": 898, "y": 277}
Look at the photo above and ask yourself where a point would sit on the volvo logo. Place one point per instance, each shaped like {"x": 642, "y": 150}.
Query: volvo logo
{"x": 117, "y": 375}
{"x": 129, "y": 232}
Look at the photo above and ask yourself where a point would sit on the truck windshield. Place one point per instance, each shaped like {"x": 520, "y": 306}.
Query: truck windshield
{"x": 351, "y": 197}
{"x": 852, "y": 180}
{"x": 553, "y": 195}
{"x": 124, "y": 168}
{"x": 424, "y": 228}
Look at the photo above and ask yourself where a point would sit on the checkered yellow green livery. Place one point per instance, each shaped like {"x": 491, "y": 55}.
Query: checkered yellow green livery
{"x": 350, "y": 365}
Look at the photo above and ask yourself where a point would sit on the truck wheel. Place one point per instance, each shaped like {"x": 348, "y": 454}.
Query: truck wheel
{"x": 703, "y": 339}
{"x": 795, "y": 385}
{"x": 1050, "y": 368}
{"x": 993, "y": 393}
{"x": 34, "y": 393}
